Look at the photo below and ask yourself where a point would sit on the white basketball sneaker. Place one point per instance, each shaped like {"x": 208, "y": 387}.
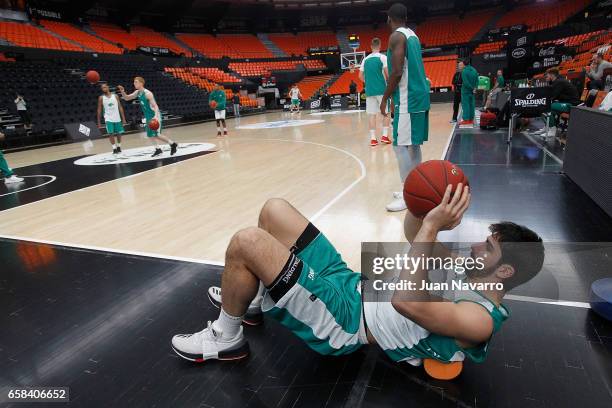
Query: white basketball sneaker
{"x": 253, "y": 316}
{"x": 13, "y": 179}
{"x": 209, "y": 344}
{"x": 397, "y": 205}
{"x": 398, "y": 194}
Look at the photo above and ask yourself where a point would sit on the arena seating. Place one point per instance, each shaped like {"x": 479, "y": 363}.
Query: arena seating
{"x": 341, "y": 85}
{"x": 574, "y": 40}
{"x": 310, "y": 84}
{"x": 447, "y": 30}
{"x": 542, "y": 15}
{"x": 494, "y": 46}
{"x": 366, "y": 34}
{"x": 216, "y": 75}
{"x": 298, "y": 44}
{"x": 440, "y": 70}
{"x": 229, "y": 45}
{"x": 26, "y": 35}
{"x": 115, "y": 35}
{"x": 87, "y": 40}
{"x": 150, "y": 38}
{"x": 258, "y": 69}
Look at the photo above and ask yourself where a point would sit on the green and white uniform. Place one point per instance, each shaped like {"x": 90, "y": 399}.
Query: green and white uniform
{"x": 218, "y": 96}
{"x": 148, "y": 113}
{"x": 404, "y": 340}
{"x": 294, "y": 93}
{"x": 411, "y": 98}
{"x": 469, "y": 75}
{"x": 5, "y": 170}
{"x": 112, "y": 117}
{"x": 319, "y": 299}
{"x": 373, "y": 67}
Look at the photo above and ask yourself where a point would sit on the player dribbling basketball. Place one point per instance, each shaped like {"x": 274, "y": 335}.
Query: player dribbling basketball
{"x": 150, "y": 111}
{"x": 114, "y": 116}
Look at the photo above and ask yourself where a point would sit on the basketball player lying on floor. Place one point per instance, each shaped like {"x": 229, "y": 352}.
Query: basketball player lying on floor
{"x": 311, "y": 291}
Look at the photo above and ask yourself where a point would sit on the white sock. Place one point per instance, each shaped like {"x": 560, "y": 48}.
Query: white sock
{"x": 229, "y": 325}
{"x": 385, "y": 131}
{"x": 114, "y": 146}
{"x": 119, "y": 144}
{"x": 218, "y": 129}
{"x": 225, "y": 129}
{"x": 372, "y": 134}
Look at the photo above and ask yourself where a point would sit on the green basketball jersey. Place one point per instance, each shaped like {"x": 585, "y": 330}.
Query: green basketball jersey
{"x": 412, "y": 93}
{"x": 147, "y": 111}
{"x": 484, "y": 83}
{"x": 373, "y": 67}
{"x": 218, "y": 96}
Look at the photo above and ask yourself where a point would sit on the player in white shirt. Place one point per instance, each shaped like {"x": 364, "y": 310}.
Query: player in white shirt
{"x": 295, "y": 95}
{"x": 114, "y": 117}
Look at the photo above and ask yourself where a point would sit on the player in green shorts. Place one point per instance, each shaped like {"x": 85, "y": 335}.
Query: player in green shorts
{"x": 295, "y": 95}
{"x": 5, "y": 170}
{"x": 150, "y": 111}
{"x": 114, "y": 117}
{"x": 311, "y": 291}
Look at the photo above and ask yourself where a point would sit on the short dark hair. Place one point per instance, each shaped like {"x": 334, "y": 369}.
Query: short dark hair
{"x": 521, "y": 248}
{"x": 375, "y": 42}
{"x": 553, "y": 71}
{"x": 398, "y": 13}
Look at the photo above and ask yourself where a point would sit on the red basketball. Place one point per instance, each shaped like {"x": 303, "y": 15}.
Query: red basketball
{"x": 153, "y": 124}
{"x": 213, "y": 104}
{"x": 92, "y": 77}
{"x": 426, "y": 184}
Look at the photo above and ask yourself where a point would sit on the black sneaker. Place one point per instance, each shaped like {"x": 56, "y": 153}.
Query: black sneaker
{"x": 118, "y": 150}
{"x": 173, "y": 148}
{"x": 157, "y": 152}
{"x": 115, "y": 151}
{"x": 218, "y": 134}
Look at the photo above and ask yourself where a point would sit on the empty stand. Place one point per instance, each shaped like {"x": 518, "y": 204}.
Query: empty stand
{"x": 542, "y": 15}
{"x": 228, "y": 45}
{"x": 440, "y": 70}
{"x": 299, "y": 44}
{"x": 311, "y": 84}
{"x": 341, "y": 85}
{"x": 26, "y": 35}
{"x": 367, "y": 34}
{"x": 258, "y": 69}
{"x": 452, "y": 29}
{"x": 87, "y": 40}
{"x": 150, "y": 38}
{"x": 115, "y": 35}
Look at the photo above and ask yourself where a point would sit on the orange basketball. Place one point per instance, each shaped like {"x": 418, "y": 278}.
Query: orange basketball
{"x": 92, "y": 77}
{"x": 426, "y": 184}
{"x": 213, "y": 104}
{"x": 153, "y": 124}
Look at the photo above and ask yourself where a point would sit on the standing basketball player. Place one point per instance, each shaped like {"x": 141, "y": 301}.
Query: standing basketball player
{"x": 373, "y": 71}
{"x": 5, "y": 170}
{"x": 150, "y": 111}
{"x": 295, "y": 95}
{"x": 410, "y": 90}
{"x": 218, "y": 95}
{"x": 114, "y": 117}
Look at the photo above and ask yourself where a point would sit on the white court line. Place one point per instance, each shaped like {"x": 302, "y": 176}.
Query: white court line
{"x": 343, "y": 192}
{"x": 104, "y": 182}
{"x": 114, "y": 251}
{"x": 450, "y": 137}
{"x": 53, "y": 178}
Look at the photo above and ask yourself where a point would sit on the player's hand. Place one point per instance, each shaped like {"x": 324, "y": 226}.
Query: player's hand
{"x": 448, "y": 214}
{"x": 383, "y": 106}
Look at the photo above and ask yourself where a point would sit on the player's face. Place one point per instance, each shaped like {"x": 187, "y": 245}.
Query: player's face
{"x": 489, "y": 253}
{"x": 461, "y": 65}
{"x": 138, "y": 85}
{"x": 105, "y": 88}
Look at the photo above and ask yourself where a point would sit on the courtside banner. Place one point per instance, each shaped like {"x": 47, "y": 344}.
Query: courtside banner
{"x": 446, "y": 271}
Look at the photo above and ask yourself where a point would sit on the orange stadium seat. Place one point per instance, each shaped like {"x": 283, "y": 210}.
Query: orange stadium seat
{"x": 257, "y": 69}
{"x": 150, "y": 38}
{"x": 116, "y": 35}
{"x": 298, "y": 44}
{"x": 25, "y": 35}
{"x": 452, "y": 29}
{"x": 310, "y": 84}
{"x": 341, "y": 85}
{"x": 542, "y": 15}
{"x": 440, "y": 70}
{"x": 86, "y": 40}
{"x": 227, "y": 45}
